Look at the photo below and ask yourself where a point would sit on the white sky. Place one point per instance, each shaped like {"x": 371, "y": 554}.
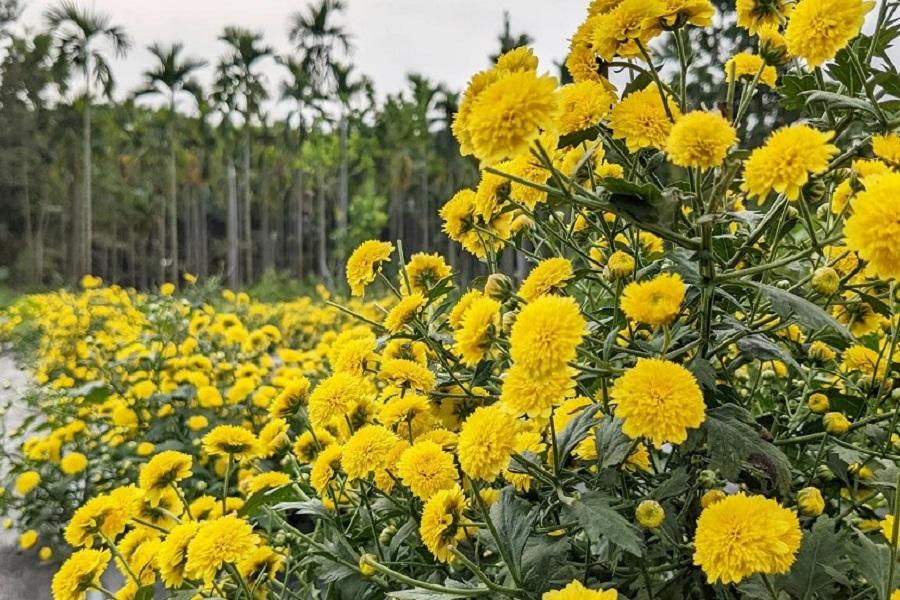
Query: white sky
{"x": 447, "y": 40}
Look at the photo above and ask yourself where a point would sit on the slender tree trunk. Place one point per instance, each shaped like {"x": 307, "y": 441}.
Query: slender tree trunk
{"x": 173, "y": 199}
{"x": 87, "y": 219}
{"x": 268, "y": 253}
{"x": 323, "y": 228}
{"x": 248, "y": 216}
{"x": 203, "y": 266}
{"x": 343, "y": 195}
{"x": 299, "y": 193}
{"x": 234, "y": 280}
{"x": 426, "y": 211}
{"x": 161, "y": 225}
{"x": 28, "y": 213}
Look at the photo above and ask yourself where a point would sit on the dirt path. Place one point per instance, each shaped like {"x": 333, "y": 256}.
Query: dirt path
{"x": 22, "y": 575}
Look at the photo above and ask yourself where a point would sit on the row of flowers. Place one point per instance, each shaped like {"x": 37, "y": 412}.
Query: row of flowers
{"x": 690, "y": 395}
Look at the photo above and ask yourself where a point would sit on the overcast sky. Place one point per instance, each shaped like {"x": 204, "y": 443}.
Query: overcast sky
{"x": 447, "y": 40}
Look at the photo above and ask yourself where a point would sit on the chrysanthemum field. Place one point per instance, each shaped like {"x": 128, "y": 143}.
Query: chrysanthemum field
{"x": 691, "y": 394}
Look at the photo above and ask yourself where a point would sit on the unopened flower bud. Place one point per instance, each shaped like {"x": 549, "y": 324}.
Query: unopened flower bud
{"x": 810, "y": 502}
{"x": 387, "y": 534}
{"x": 824, "y": 473}
{"x": 620, "y": 265}
{"x": 365, "y": 568}
{"x": 818, "y": 403}
{"x": 711, "y": 497}
{"x": 835, "y": 423}
{"x": 825, "y": 281}
{"x": 708, "y": 478}
{"x": 497, "y": 286}
{"x": 650, "y": 514}
{"x": 508, "y": 320}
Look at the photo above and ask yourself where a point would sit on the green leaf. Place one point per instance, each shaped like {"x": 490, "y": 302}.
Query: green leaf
{"x": 512, "y": 518}
{"x": 759, "y": 347}
{"x": 840, "y": 101}
{"x": 280, "y": 495}
{"x": 821, "y": 552}
{"x": 640, "y": 203}
{"x": 575, "y": 431}
{"x": 599, "y": 521}
{"x": 147, "y": 592}
{"x": 93, "y": 392}
{"x": 787, "y": 304}
{"x": 543, "y": 560}
{"x": 612, "y": 444}
{"x": 793, "y": 88}
{"x": 676, "y": 484}
{"x": 423, "y": 594}
{"x": 308, "y": 507}
{"x": 733, "y": 442}
{"x": 873, "y": 561}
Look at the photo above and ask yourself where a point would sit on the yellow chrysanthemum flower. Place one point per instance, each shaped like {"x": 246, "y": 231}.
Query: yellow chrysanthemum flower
{"x": 364, "y": 263}
{"x": 746, "y": 65}
{"x": 426, "y": 469}
{"x": 404, "y": 373}
{"x": 873, "y": 228}
{"x": 658, "y": 399}
{"x": 80, "y": 572}
{"x": 693, "y": 12}
{"x": 655, "y": 302}
{"x": 367, "y": 450}
{"x": 441, "y": 525}
{"x": 575, "y": 590}
{"x": 403, "y": 312}
{"x": 266, "y": 481}
{"x": 325, "y": 468}
{"x": 786, "y": 161}
{"x": 744, "y": 535}
{"x": 424, "y": 272}
{"x": 755, "y": 14}
{"x": 261, "y": 562}
{"x": 526, "y": 392}
{"x": 163, "y": 470}
{"x": 546, "y": 334}
{"x": 232, "y": 440}
{"x": 887, "y": 147}
{"x": 224, "y": 540}
{"x": 700, "y": 139}
{"x": 617, "y": 32}
{"x": 26, "y": 482}
{"x": 473, "y": 338}
{"x": 818, "y": 29}
{"x": 486, "y": 442}
{"x": 641, "y": 119}
{"x": 73, "y": 463}
{"x": 510, "y": 113}
{"x": 335, "y": 396}
{"x": 583, "y": 105}
{"x": 549, "y": 275}
{"x": 173, "y": 553}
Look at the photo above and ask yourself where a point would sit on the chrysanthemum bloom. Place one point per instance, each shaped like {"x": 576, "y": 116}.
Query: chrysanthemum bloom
{"x": 659, "y": 400}
{"x": 700, "y": 139}
{"x": 73, "y": 463}
{"x": 818, "y": 403}
{"x": 786, "y": 161}
{"x": 440, "y": 527}
{"x": 616, "y": 32}
{"x": 274, "y": 435}
{"x": 599, "y": 7}
{"x": 173, "y": 553}
{"x": 526, "y": 166}
{"x": 620, "y": 264}
{"x": 492, "y": 191}
{"x": 510, "y": 113}
{"x": 527, "y": 392}
{"x": 874, "y": 227}
{"x": 79, "y": 573}
{"x": 746, "y": 66}
{"x": 335, "y": 396}
{"x": 818, "y": 29}
{"x": 480, "y": 323}
{"x": 486, "y": 442}
{"x": 772, "y": 46}
{"x": 406, "y": 374}
{"x": 887, "y": 528}
{"x": 549, "y": 275}
{"x": 28, "y": 539}
{"x": 266, "y": 481}
{"x": 744, "y": 535}
{"x": 209, "y": 396}
{"x": 222, "y": 541}
{"x": 810, "y": 502}
{"x": 641, "y": 119}
{"x": 367, "y": 450}
{"x": 859, "y": 317}
{"x": 693, "y": 12}
{"x": 835, "y": 423}
{"x": 232, "y": 440}
{"x": 754, "y": 14}
{"x": 364, "y": 263}
{"x": 403, "y": 312}
{"x": 26, "y": 482}
{"x": 887, "y": 147}
{"x": 583, "y": 105}
{"x": 163, "y": 470}
{"x": 865, "y": 361}
{"x": 458, "y": 313}
{"x": 426, "y": 469}
{"x": 261, "y": 562}
{"x": 325, "y": 468}
{"x": 655, "y": 302}
{"x": 547, "y": 333}
{"x": 289, "y": 399}
{"x": 575, "y": 590}
{"x": 424, "y": 272}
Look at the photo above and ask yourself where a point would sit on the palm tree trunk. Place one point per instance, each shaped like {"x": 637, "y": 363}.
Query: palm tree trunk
{"x": 323, "y": 228}
{"x": 173, "y": 202}
{"x": 232, "y": 226}
{"x": 87, "y": 216}
{"x": 343, "y": 196}
{"x": 248, "y": 216}
{"x": 299, "y": 193}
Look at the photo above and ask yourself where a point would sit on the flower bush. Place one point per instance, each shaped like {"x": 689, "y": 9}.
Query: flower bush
{"x": 691, "y": 394}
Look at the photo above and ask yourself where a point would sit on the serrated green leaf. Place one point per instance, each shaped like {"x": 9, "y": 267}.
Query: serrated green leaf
{"x": 612, "y": 444}
{"x": 600, "y": 522}
{"x": 873, "y": 561}
{"x": 513, "y": 519}
{"x": 822, "y": 550}
{"x": 787, "y": 304}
